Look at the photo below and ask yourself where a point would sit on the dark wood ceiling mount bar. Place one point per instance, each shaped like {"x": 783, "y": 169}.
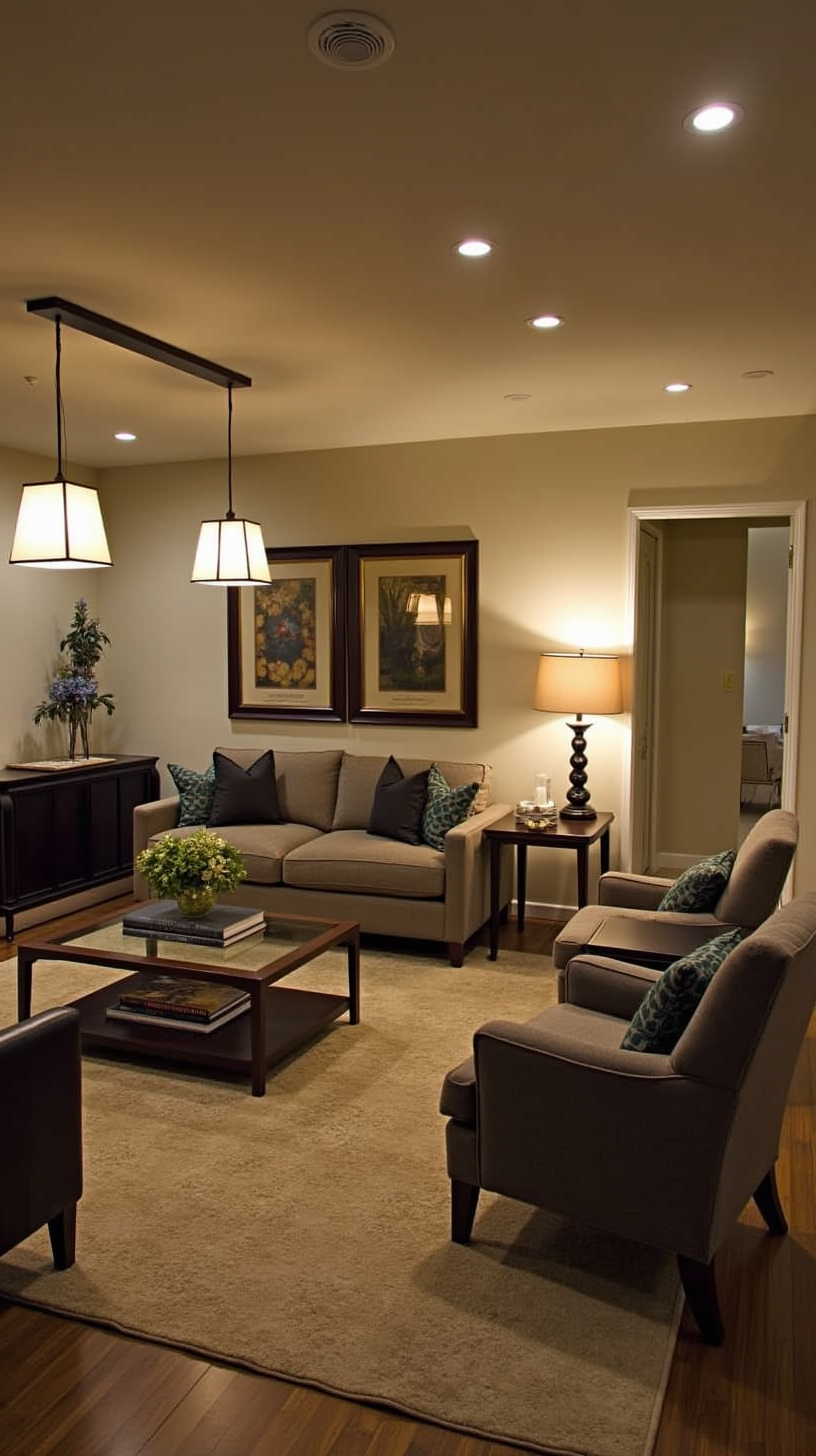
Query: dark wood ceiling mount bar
{"x": 104, "y": 328}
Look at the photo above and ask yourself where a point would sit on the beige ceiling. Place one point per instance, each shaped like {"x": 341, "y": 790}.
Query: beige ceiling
{"x": 193, "y": 171}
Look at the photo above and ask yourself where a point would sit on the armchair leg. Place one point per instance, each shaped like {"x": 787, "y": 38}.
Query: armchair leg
{"x": 464, "y": 1197}
{"x": 767, "y": 1200}
{"x": 700, "y": 1289}
{"x": 62, "y": 1233}
{"x": 456, "y": 951}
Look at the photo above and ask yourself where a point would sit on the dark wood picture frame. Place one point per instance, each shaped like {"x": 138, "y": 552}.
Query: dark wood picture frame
{"x": 307, "y": 677}
{"x": 402, "y": 671}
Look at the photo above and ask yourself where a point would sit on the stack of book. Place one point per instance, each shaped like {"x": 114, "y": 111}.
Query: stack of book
{"x": 172, "y": 1003}
{"x": 221, "y": 926}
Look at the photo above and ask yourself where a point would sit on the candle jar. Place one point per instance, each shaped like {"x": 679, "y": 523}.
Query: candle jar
{"x": 542, "y": 790}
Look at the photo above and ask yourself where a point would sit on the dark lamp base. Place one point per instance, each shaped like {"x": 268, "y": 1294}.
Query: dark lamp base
{"x": 587, "y": 812}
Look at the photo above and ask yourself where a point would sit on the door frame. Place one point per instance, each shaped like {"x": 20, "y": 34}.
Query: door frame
{"x": 797, "y": 513}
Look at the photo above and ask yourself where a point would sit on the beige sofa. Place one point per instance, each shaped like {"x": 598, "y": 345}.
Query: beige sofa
{"x": 321, "y": 861}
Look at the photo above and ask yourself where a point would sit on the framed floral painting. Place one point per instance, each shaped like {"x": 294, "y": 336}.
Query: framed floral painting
{"x": 412, "y": 639}
{"x": 286, "y": 641}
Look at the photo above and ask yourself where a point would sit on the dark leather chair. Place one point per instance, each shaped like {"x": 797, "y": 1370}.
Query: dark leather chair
{"x": 41, "y": 1131}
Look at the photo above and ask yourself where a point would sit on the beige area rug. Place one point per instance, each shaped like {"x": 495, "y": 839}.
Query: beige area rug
{"x": 305, "y": 1234}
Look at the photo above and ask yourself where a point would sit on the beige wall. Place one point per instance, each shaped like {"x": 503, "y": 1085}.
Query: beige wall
{"x": 699, "y": 722}
{"x": 550, "y": 513}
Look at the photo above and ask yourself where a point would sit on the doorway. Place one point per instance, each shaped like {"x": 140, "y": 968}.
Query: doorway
{"x": 641, "y": 787}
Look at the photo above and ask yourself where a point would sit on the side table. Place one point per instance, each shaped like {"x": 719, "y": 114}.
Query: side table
{"x": 577, "y": 834}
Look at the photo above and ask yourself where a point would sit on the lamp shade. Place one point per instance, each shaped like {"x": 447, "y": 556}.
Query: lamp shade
{"x": 578, "y": 682}
{"x": 425, "y": 607}
{"x": 230, "y": 552}
{"x": 59, "y": 525}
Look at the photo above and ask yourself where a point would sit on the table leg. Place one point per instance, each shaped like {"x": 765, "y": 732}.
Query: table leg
{"x": 354, "y": 980}
{"x": 24, "y": 964}
{"x": 495, "y": 867}
{"x": 521, "y": 884}
{"x": 257, "y": 1038}
{"x": 605, "y": 851}
{"x": 582, "y": 850}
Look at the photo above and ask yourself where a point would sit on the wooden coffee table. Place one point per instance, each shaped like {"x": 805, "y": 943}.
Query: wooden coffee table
{"x": 280, "y": 1019}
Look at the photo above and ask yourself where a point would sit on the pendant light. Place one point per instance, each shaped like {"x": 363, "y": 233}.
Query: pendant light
{"x": 59, "y": 523}
{"x": 231, "y": 551}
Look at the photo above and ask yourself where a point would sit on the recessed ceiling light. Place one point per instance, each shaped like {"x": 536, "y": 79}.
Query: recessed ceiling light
{"x": 518, "y": 397}
{"x": 545, "y": 321}
{"x": 715, "y": 117}
{"x": 124, "y": 435}
{"x": 757, "y": 373}
{"x": 678, "y": 388}
{"x": 474, "y": 248}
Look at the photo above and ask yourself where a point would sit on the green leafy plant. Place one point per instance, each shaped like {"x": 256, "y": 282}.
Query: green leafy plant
{"x": 201, "y": 861}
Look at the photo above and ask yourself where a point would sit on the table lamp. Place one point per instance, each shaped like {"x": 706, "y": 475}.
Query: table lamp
{"x": 578, "y": 683}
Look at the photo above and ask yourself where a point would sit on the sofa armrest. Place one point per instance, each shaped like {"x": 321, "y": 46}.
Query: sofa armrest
{"x": 467, "y": 874}
{"x": 149, "y": 819}
{"x": 612, "y": 987}
{"x": 631, "y": 892}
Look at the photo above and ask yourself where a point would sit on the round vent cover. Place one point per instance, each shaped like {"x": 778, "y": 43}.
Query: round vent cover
{"x": 351, "y": 40}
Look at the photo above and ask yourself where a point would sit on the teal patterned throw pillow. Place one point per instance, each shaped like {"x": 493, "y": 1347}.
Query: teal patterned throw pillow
{"x": 700, "y": 886}
{"x": 196, "y": 792}
{"x": 669, "y": 1004}
{"x": 444, "y": 807}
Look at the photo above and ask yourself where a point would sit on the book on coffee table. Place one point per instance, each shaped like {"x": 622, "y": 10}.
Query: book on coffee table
{"x": 220, "y": 926}
{"x": 175, "y": 1023}
{"x": 182, "y": 998}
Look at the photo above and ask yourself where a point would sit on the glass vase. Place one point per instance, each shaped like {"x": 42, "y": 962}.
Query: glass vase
{"x": 194, "y": 903}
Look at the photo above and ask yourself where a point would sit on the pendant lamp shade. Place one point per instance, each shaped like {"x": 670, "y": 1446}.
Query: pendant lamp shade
{"x": 59, "y": 525}
{"x": 231, "y": 551}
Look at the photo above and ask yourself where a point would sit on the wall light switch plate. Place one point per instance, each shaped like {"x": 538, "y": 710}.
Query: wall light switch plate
{"x": 728, "y": 684}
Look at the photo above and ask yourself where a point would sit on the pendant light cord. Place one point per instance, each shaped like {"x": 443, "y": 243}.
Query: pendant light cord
{"x": 230, "y": 511}
{"x": 60, "y": 411}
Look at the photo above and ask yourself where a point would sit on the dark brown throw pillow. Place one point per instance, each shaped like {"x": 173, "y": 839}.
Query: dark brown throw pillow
{"x": 245, "y": 795}
{"x": 398, "y": 804}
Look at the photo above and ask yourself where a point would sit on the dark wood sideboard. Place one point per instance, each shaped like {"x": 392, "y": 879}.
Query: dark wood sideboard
{"x": 69, "y": 830}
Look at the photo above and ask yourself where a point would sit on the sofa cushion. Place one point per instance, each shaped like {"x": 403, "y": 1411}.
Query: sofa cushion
{"x": 196, "y": 792}
{"x": 444, "y": 807}
{"x": 396, "y": 812}
{"x": 306, "y": 782}
{"x": 356, "y": 861}
{"x": 701, "y": 885}
{"x": 669, "y": 1004}
{"x": 263, "y": 846}
{"x": 359, "y": 774}
{"x": 245, "y": 795}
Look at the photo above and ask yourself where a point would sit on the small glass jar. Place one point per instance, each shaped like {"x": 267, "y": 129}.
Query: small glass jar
{"x": 542, "y": 790}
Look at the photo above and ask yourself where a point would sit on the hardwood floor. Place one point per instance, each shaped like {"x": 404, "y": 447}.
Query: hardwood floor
{"x": 68, "y": 1389}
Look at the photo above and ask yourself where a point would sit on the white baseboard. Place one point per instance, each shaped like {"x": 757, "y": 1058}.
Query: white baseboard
{"x": 535, "y": 910}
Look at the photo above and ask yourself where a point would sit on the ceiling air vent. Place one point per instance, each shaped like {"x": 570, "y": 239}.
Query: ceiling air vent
{"x": 351, "y": 40}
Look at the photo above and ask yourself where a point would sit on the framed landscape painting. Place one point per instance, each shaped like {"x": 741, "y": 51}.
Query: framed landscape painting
{"x": 412, "y": 638}
{"x": 286, "y": 641}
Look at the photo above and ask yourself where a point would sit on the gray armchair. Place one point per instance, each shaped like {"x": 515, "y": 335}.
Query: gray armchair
{"x": 751, "y": 895}
{"x": 665, "y": 1149}
{"x": 40, "y": 1131}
